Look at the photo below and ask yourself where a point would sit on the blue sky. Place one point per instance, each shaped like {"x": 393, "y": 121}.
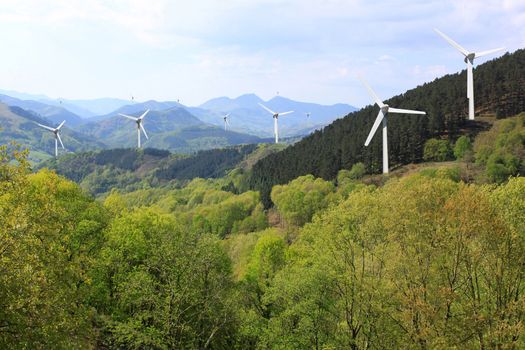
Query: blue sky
{"x": 309, "y": 50}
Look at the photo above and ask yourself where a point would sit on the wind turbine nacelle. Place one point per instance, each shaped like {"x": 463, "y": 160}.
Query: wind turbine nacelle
{"x": 276, "y": 115}
{"x": 470, "y": 57}
{"x": 384, "y": 109}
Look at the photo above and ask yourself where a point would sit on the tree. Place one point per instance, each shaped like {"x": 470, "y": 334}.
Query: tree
{"x": 160, "y": 285}
{"x": 49, "y": 234}
{"x": 437, "y": 150}
{"x": 301, "y": 198}
{"x": 463, "y": 147}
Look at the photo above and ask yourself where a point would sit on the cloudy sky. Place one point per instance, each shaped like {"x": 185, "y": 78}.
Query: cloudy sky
{"x": 309, "y": 50}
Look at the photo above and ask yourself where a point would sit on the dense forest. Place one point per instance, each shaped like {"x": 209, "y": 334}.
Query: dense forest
{"x": 500, "y": 90}
{"x": 129, "y": 169}
{"x": 429, "y": 258}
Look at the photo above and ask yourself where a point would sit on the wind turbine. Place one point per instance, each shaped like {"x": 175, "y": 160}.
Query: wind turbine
{"x": 275, "y": 120}
{"x": 139, "y": 122}
{"x": 226, "y": 122}
{"x": 382, "y": 117}
{"x": 56, "y": 132}
{"x": 469, "y": 60}
{"x": 307, "y": 118}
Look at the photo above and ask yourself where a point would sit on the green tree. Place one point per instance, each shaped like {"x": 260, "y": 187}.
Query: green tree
{"x": 437, "y": 150}
{"x": 301, "y": 198}
{"x": 49, "y": 235}
{"x": 463, "y": 147}
{"x": 161, "y": 286}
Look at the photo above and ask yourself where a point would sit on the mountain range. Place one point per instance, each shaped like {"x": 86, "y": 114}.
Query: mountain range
{"x": 170, "y": 125}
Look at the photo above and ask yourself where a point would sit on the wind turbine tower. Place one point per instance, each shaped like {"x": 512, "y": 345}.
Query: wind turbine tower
{"x": 226, "y": 120}
{"x": 469, "y": 60}
{"x": 56, "y": 132}
{"x": 275, "y": 120}
{"x": 382, "y": 117}
{"x": 139, "y": 121}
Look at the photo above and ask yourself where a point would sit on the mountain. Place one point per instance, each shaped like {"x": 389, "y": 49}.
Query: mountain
{"x": 500, "y": 90}
{"x": 19, "y": 125}
{"x": 95, "y": 107}
{"x": 247, "y": 116}
{"x": 227, "y": 104}
{"x": 135, "y": 108}
{"x": 173, "y": 128}
{"x": 83, "y": 108}
{"x": 55, "y": 114}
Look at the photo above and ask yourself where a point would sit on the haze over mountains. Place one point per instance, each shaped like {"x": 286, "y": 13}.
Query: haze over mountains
{"x": 170, "y": 125}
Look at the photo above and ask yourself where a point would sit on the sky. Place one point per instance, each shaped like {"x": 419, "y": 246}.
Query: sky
{"x": 192, "y": 51}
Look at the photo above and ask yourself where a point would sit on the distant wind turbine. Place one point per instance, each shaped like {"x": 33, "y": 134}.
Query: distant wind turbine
{"x": 382, "y": 117}
{"x": 56, "y": 132}
{"x": 139, "y": 122}
{"x": 469, "y": 60}
{"x": 226, "y": 122}
{"x": 275, "y": 120}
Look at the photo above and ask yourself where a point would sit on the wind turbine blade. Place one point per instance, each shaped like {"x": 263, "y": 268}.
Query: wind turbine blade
{"x": 406, "y": 111}
{"x": 452, "y": 42}
{"x": 144, "y": 131}
{"x": 45, "y": 127}
{"x": 227, "y": 115}
{"x": 61, "y": 124}
{"x": 488, "y": 52}
{"x": 378, "y": 121}
{"x": 374, "y": 96}
{"x": 129, "y": 117}
{"x": 144, "y": 114}
{"x": 59, "y": 139}
{"x": 268, "y": 109}
{"x": 285, "y": 113}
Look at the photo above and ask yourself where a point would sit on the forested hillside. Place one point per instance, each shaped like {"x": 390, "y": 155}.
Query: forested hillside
{"x": 422, "y": 261}
{"x": 20, "y": 125}
{"x": 130, "y": 169}
{"x": 500, "y": 90}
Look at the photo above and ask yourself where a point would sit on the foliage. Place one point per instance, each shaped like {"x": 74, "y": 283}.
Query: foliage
{"x": 462, "y": 147}
{"x": 160, "y": 286}
{"x": 49, "y": 235}
{"x": 437, "y": 150}
{"x": 501, "y": 150}
{"x": 132, "y": 169}
{"x": 420, "y": 263}
{"x": 301, "y": 198}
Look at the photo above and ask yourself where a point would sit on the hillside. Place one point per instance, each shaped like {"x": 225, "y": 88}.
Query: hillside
{"x": 433, "y": 252}
{"x": 19, "y": 125}
{"x": 129, "y": 169}
{"x": 500, "y": 90}
{"x": 173, "y": 129}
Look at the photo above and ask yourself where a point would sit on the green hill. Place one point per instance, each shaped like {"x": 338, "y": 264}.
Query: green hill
{"x": 129, "y": 168}
{"x": 19, "y": 125}
{"x": 174, "y": 129}
{"x": 500, "y": 90}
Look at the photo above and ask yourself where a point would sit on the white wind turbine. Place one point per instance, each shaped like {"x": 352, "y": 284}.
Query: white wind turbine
{"x": 275, "y": 120}
{"x": 382, "y": 117}
{"x": 469, "y": 60}
{"x": 226, "y": 122}
{"x": 56, "y": 132}
{"x": 139, "y": 122}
